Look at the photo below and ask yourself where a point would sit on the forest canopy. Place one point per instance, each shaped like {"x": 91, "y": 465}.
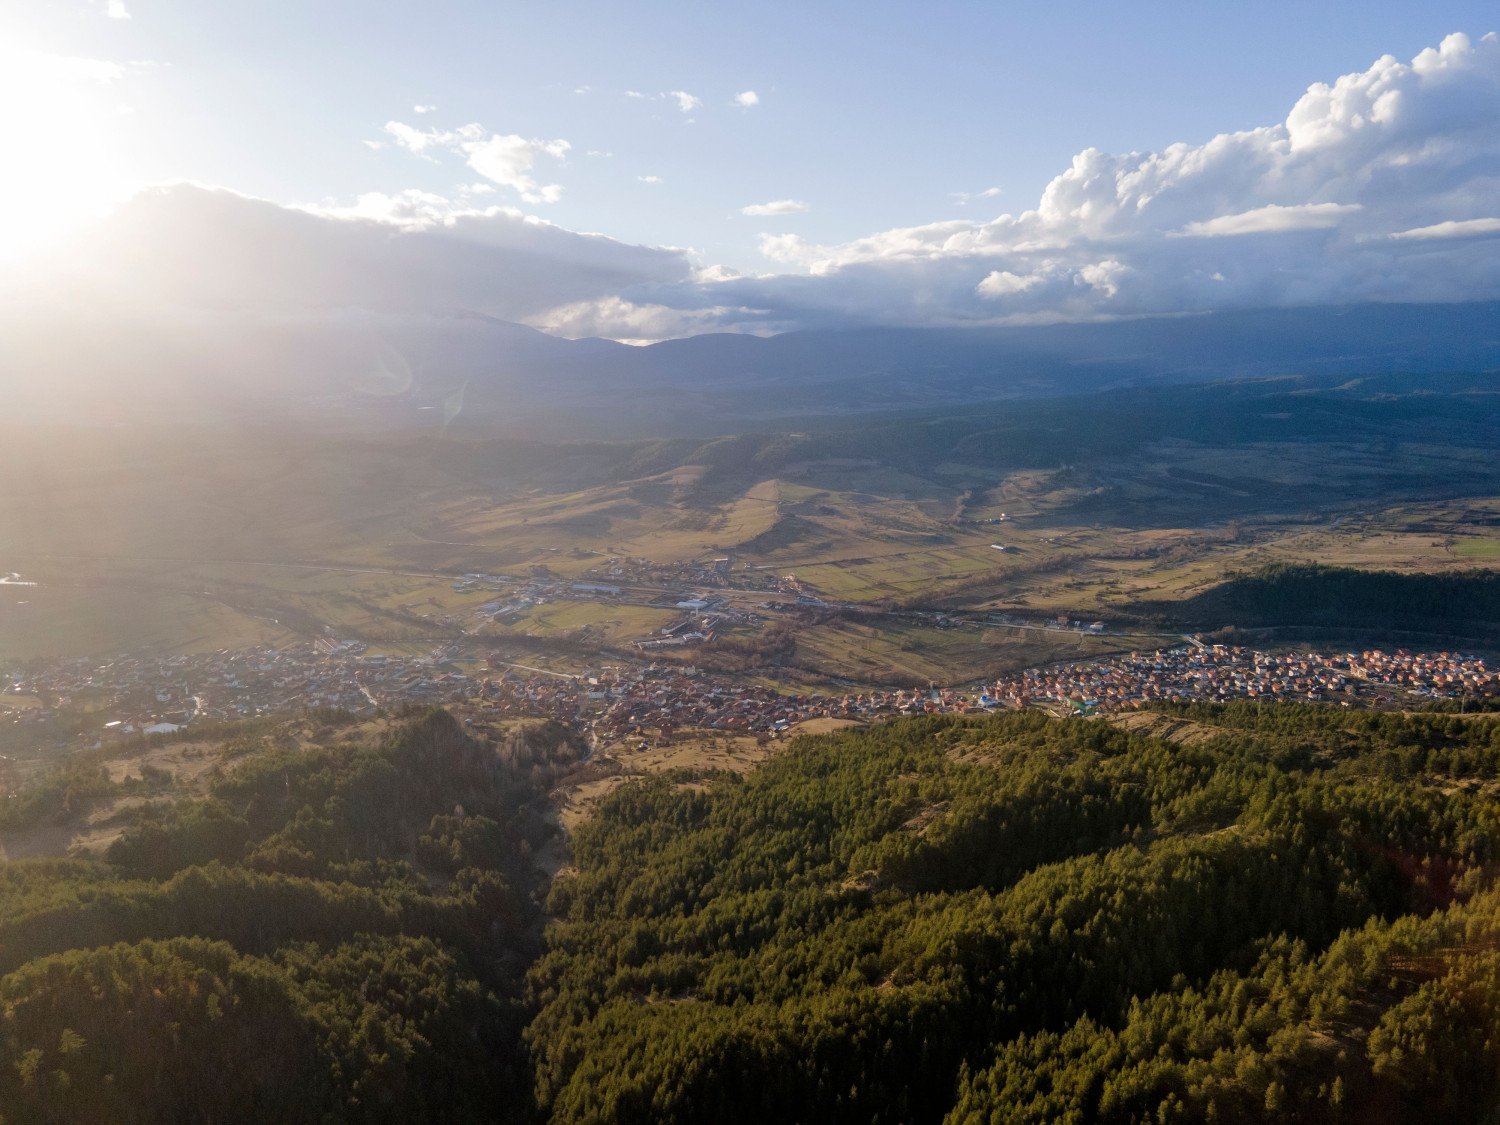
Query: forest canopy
{"x": 1027, "y": 919}
{"x": 1283, "y": 912}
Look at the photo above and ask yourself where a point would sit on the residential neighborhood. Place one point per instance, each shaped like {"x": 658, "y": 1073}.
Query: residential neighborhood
{"x": 162, "y": 695}
{"x": 1223, "y": 672}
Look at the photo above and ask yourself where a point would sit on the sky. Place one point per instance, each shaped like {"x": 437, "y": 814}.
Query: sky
{"x": 657, "y": 169}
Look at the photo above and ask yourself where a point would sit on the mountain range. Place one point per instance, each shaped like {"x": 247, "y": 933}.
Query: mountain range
{"x": 348, "y": 368}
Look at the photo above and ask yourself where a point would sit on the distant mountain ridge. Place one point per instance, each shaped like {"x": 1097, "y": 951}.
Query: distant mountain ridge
{"x": 353, "y": 367}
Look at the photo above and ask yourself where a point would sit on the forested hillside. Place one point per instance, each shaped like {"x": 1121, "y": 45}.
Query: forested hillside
{"x": 1452, "y": 410}
{"x": 333, "y": 933}
{"x": 1463, "y": 602}
{"x": 1285, "y": 916}
{"x": 1250, "y": 913}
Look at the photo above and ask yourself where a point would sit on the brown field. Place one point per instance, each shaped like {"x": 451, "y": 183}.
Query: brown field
{"x": 203, "y": 540}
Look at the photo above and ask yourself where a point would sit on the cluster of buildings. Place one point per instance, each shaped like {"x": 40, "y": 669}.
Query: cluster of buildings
{"x": 1224, "y": 672}
{"x": 658, "y": 699}
{"x": 1440, "y": 675}
{"x": 143, "y": 694}
{"x": 703, "y": 616}
{"x": 136, "y": 695}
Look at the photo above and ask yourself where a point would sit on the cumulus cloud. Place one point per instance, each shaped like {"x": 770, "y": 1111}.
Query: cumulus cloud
{"x": 504, "y": 158}
{"x": 788, "y": 249}
{"x": 776, "y": 207}
{"x": 650, "y": 179}
{"x": 746, "y": 98}
{"x": 116, "y": 9}
{"x": 507, "y": 160}
{"x": 423, "y": 108}
{"x": 1378, "y": 186}
{"x": 1462, "y": 228}
{"x": 1003, "y": 283}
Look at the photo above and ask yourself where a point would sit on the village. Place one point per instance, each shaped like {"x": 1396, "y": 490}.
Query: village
{"x": 131, "y": 696}
{"x": 1217, "y": 673}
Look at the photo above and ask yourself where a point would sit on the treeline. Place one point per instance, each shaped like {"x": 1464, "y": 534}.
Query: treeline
{"x": 1046, "y": 433}
{"x": 333, "y": 932}
{"x": 1463, "y": 602}
{"x": 1024, "y": 919}
{"x": 776, "y": 644}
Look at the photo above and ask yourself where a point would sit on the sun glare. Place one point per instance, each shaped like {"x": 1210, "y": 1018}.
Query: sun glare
{"x": 62, "y": 118}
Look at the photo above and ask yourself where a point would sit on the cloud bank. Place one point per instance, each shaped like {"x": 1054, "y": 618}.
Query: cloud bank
{"x": 1383, "y": 185}
{"x": 185, "y": 250}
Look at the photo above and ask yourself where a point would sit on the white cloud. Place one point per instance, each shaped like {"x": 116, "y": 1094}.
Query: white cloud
{"x": 507, "y": 159}
{"x": 619, "y": 319}
{"x": 1462, "y": 228}
{"x": 788, "y": 249}
{"x": 964, "y": 198}
{"x": 1002, "y": 283}
{"x": 583, "y": 89}
{"x": 1104, "y": 276}
{"x": 412, "y": 208}
{"x": 650, "y": 179}
{"x": 504, "y": 158}
{"x": 423, "y": 108}
{"x": 746, "y": 98}
{"x": 716, "y": 273}
{"x": 417, "y": 141}
{"x": 684, "y": 101}
{"x": 1378, "y": 186}
{"x": 776, "y": 207}
{"x": 116, "y": 10}
{"x": 1273, "y": 218}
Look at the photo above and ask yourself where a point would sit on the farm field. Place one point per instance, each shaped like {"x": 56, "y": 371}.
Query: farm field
{"x": 208, "y": 539}
{"x": 1477, "y": 549}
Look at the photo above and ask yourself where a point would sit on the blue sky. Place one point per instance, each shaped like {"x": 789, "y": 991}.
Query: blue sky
{"x": 875, "y": 116}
